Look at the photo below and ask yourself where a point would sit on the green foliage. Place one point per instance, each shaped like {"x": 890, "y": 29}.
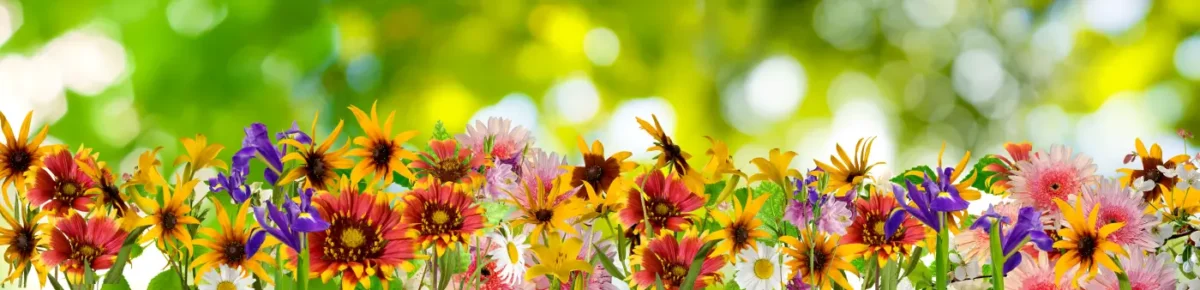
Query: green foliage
{"x": 608, "y": 264}
{"x": 166, "y": 280}
{"x": 495, "y": 211}
{"x": 713, "y": 191}
{"x": 772, "y": 212}
{"x": 119, "y": 284}
{"x": 982, "y": 176}
{"x": 440, "y": 133}
{"x": 915, "y": 179}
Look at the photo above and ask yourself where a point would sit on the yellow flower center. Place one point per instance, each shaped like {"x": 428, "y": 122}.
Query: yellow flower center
{"x": 69, "y": 189}
{"x": 879, "y": 228}
{"x": 763, "y": 268}
{"x": 440, "y": 217}
{"x": 226, "y": 285}
{"x": 662, "y": 209}
{"x": 353, "y": 237}
{"x": 679, "y": 271}
{"x": 512, "y": 253}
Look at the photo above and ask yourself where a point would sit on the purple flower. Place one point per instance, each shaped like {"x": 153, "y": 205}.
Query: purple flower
{"x": 1029, "y": 225}
{"x": 937, "y": 198}
{"x": 292, "y": 221}
{"x": 502, "y": 181}
{"x": 837, "y": 213}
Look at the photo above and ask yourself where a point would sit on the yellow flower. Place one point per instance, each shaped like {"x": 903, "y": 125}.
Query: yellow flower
{"x": 25, "y": 239}
{"x": 1084, "y": 245}
{"x": 106, "y": 191}
{"x": 1177, "y": 204}
{"x": 542, "y": 207}
{"x": 557, "y": 258}
{"x": 1151, "y": 160}
{"x": 671, "y": 155}
{"x": 20, "y": 157}
{"x": 827, "y": 257}
{"x": 847, "y": 173}
{"x": 776, "y": 168}
{"x": 719, "y": 162}
{"x": 317, "y": 162}
{"x": 380, "y": 153}
{"x": 169, "y": 219}
{"x": 742, "y": 230}
{"x": 146, "y": 173}
{"x": 610, "y": 201}
{"x": 597, "y": 171}
{"x": 229, "y": 246}
{"x": 200, "y": 155}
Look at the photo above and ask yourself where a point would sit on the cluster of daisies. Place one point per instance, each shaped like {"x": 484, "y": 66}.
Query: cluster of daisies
{"x": 488, "y": 209}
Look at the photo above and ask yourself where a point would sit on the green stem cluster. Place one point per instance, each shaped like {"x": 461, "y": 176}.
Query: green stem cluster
{"x": 942, "y": 263}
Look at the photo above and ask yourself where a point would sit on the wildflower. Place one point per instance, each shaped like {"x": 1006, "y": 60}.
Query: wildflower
{"x": 381, "y": 154}
{"x": 365, "y": 240}
{"x": 1151, "y": 160}
{"x": 669, "y": 259}
{"x": 441, "y": 215}
{"x": 819, "y": 259}
{"x": 667, "y": 203}
{"x": 847, "y": 173}
{"x": 77, "y": 243}
{"x": 295, "y": 219}
{"x": 1045, "y": 177}
{"x": 170, "y": 217}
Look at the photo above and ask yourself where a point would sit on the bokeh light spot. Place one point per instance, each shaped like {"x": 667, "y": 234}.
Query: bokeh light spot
{"x": 601, "y": 46}
{"x": 776, "y": 87}
{"x": 623, "y": 133}
{"x": 575, "y": 99}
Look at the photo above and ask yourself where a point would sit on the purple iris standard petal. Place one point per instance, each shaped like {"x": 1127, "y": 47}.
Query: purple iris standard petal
{"x": 294, "y": 133}
{"x": 283, "y": 237}
{"x": 918, "y": 197}
{"x": 241, "y": 160}
{"x": 1041, "y": 240}
{"x": 310, "y": 222}
{"x": 272, "y": 177}
{"x": 306, "y": 200}
{"x": 893, "y": 222}
{"x": 1011, "y": 263}
{"x": 283, "y": 221}
{"x": 254, "y": 242}
{"x": 985, "y": 221}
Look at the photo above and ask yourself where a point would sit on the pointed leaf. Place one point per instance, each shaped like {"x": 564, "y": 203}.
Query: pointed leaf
{"x": 608, "y": 264}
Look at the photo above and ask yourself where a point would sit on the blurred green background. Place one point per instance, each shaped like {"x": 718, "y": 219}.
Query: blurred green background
{"x": 122, "y": 76}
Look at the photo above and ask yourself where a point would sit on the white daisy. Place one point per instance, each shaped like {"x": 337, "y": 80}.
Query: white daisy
{"x": 759, "y": 269}
{"x": 510, "y": 255}
{"x": 225, "y": 278}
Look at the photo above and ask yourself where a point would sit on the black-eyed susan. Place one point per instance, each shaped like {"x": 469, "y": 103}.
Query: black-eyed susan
{"x": 547, "y": 209}
{"x": 317, "y": 162}
{"x": 234, "y": 246}
{"x": 442, "y": 216}
{"x": 597, "y": 171}
{"x": 740, "y": 231}
{"x": 847, "y": 173}
{"x": 670, "y": 154}
{"x": 105, "y": 190}
{"x": 20, "y": 157}
{"x": 25, "y": 237}
{"x": 381, "y": 154}
{"x": 1152, "y": 160}
{"x": 1083, "y": 244}
{"x": 168, "y": 220}
{"x": 820, "y": 260}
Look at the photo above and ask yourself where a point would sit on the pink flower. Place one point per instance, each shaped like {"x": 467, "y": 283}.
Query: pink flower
{"x": 1146, "y": 272}
{"x": 835, "y": 217}
{"x": 974, "y": 244}
{"x": 1036, "y": 274}
{"x": 1119, "y": 204}
{"x": 543, "y": 165}
{"x": 502, "y": 181}
{"x": 506, "y": 141}
{"x": 1044, "y": 177}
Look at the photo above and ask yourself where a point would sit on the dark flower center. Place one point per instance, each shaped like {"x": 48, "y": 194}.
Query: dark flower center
{"x": 819, "y": 260}
{"x": 439, "y": 219}
{"x": 315, "y": 163}
{"x": 112, "y": 195}
{"x": 168, "y": 221}
{"x": 543, "y": 215}
{"x": 235, "y": 252}
{"x": 23, "y": 242}
{"x": 1087, "y": 246}
{"x": 19, "y": 160}
{"x": 485, "y": 272}
{"x": 1055, "y": 186}
{"x": 449, "y": 170}
{"x": 659, "y": 211}
{"x": 349, "y": 239}
{"x": 85, "y": 253}
{"x": 594, "y": 175}
{"x": 873, "y": 232}
{"x": 382, "y": 154}
{"x": 741, "y": 235}
{"x": 69, "y": 190}
{"x": 675, "y": 274}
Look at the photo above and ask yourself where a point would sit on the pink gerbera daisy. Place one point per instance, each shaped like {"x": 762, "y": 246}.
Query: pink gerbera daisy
{"x": 1146, "y": 272}
{"x": 1037, "y": 274}
{"x": 1044, "y": 177}
{"x": 974, "y": 244}
{"x": 501, "y": 140}
{"x": 541, "y": 165}
{"x": 1120, "y": 204}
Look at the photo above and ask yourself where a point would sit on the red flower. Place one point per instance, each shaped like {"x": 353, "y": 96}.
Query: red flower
{"x": 63, "y": 187}
{"x": 670, "y": 259}
{"x": 867, "y": 229}
{"x": 448, "y": 163}
{"x": 668, "y": 202}
{"x": 76, "y": 242}
{"x": 441, "y": 215}
{"x": 365, "y": 239}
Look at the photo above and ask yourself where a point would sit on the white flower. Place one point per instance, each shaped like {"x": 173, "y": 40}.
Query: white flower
{"x": 225, "y": 278}
{"x": 759, "y": 269}
{"x": 510, "y": 255}
{"x": 1162, "y": 231}
{"x": 1141, "y": 185}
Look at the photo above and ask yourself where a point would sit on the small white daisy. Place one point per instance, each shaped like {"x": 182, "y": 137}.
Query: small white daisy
{"x": 759, "y": 269}
{"x": 510, "y": 255}
{"x": 225, "y": 278}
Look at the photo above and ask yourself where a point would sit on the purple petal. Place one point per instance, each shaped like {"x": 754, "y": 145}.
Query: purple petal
{"x": 1041, "y": 240}
{"x": 1011, "y": 263}
{"x": 254, "y": 242}
{"x": 918, "y": 197}
{"x": 306, "y": 199}
{"x": 281, "y": 220}
{"x": 310, "y": 222}
{"x": 271, "y": 176}
{"x": 893, "y": 223}
{"x": 274, "y": 231}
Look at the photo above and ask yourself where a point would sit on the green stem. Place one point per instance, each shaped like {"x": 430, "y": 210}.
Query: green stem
{"x": 302, "y": 264}
{"x": 998, "y": 257}
{"x": 1122, "y": 277}
{"x": 942, "y": 266}
{"x": 279, "y": 277}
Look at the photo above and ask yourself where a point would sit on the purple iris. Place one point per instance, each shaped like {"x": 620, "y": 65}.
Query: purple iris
{"x": 800, "y": 212}
{"x": 937, "y": 198}
{"x": 292, "y": 221}
{"x": 1029, "y": 225}
{"x": 256, "y": 143}
{"x": 235, "y": 182}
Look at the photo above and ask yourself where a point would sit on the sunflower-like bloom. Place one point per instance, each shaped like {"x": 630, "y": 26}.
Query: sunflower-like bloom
{"x": 819, "y": 259}
{"x": 548, "y": 207}
{"x": 105, "y": 190}
{"x": 381, "y": 155}
{"x": 669, "y": 259}
{"x": 200, "y": 154}
{"x": 1121, "y": 204}
{"x": 77, "y": 243}
{"x": 441, "y": 215}
{"x": 775, "y": 169}
{"x": 668, "y": 202}
{"x": 25, "y": 237}
{"x": 847, "y": 173}
{"x": 448, "y": 163}
{"x": 868, "y": 229}
{"x": 317, "y": 162}
{"x": 169, "y": 219}
{"x": 1084, "y": 244}
{"x": 597, "y": 171}
{"x": 1151, "y": 161}
{"x": 63, "y": 187}
{"x": 742, "y": 230}
{"x": 671, "y": 155}
{"x": 234, "y": 246}
{"x": 365, "y": 239}
{"x": 21, "y": 157}
{"x": 558, "y": 257}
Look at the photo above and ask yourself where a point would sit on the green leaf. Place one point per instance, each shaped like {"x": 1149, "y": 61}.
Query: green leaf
{"x": 889, "y": 275}
{"x": 119, "y": 284}
{"x": 334, "y": 284}
{"x": 439, "y": 131}
{"x": 915, "y": 179}
{"x": 697, "y": 261}
{"x": 165, "y": 280}
{"x": 713, "y": 191}
{"x": 772, "y": 212}
{"x": 913, "y": 260}
{"x": 608, "y": 264}
{"x": 982, "y": 176}
{"x": 495, "y": 212}
{"x": 129, "y": 251}
{"x": 732, "y": 285}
